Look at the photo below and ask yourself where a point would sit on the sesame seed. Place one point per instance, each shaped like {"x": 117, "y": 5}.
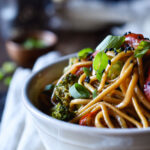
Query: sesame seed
{"x": 128, "y": 48}
{"x": 131, "y": 61}
{"x": 87, "y": 79}
{"x": 109, "y": 62}
{"x": 116, "y": 53}
{"x": 106, "y": 50}
{"x": 125, "y": 34}
{"x": 139, "y": 37}
{"x": 103, "y": 71}
{"x": 125, "y": 50}
{"x": 90, "y": 68}
{"x": 122, "y": 48}
{"x": 126, "y": 45}
{"x": 90, "y": 58}
{"x": 111, "y": 49}
{"x": 89, "y": 54}
{"x": 146, "y": 38}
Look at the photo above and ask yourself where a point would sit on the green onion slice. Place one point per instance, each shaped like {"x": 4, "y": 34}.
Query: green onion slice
{"x": 111, "y": 42}
{"x": 78, "y": 91}
{"x": 84, "y": 52}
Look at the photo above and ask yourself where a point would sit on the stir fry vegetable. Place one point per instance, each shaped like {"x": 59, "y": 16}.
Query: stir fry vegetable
{"x": 99, "y": 86}
{"x": 61, "y": 112}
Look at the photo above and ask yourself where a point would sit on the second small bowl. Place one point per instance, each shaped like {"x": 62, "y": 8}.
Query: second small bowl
{"x": 24, "y": 57}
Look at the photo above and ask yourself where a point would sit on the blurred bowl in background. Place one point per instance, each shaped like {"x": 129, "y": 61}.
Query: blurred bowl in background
{"x": 25, "y": 48}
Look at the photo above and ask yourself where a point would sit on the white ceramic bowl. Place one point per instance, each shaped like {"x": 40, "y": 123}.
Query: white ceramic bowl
{"x": 59, "y": 135}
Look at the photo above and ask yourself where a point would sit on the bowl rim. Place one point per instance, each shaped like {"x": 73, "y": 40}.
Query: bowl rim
{"x": 70, "y": 126}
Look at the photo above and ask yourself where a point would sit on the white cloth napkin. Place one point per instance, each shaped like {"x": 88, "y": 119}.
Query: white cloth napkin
{"x": 16, "y": 130}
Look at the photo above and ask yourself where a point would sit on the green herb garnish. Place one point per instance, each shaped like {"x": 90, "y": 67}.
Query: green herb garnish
{"x": 111, "y": 42}
{"x": 1, "y": 74}
{"x": 6, "y": 71}
{"x": 8, "y": 67}
{"x": 86, "y": 71}
{"x": 142, "y": 49}
{"x": 7, "y": 80}
{"x": 94, "y": 93}
{"x": 115, "y": 70}
{"x": 99, "y": 64}
{"x": 31, "y": 43}
{"x": 84, "y": 52}
{"x": 78, "y": 91}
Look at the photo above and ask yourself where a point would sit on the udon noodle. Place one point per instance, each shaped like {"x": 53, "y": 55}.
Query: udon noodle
{"x": 119, "y": 102}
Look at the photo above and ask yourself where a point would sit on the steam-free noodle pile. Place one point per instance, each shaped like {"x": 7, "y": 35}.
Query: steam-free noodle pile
{"x": 113, "y": 100}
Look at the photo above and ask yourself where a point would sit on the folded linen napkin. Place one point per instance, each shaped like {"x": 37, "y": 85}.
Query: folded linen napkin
{"x": 16, "y": 130}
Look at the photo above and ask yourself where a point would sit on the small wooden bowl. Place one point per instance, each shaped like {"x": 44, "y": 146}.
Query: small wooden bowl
{"x": 24, "y": 57}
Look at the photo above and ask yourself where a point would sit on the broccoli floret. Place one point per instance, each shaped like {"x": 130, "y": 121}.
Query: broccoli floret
{"x": 62, "y": 89}
{"x": 61, "y": 112}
